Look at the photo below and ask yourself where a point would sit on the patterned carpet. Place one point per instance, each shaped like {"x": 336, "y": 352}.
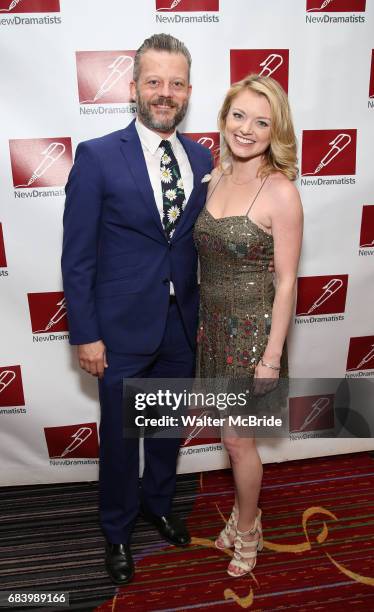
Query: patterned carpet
{"x": 318, "y": 528}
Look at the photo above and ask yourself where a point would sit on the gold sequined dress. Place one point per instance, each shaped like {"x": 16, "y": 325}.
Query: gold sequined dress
{"x": 236, "y": 295}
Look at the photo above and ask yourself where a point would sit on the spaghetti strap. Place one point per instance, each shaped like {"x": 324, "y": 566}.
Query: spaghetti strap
{"x": 256, "y": 196}
{"x": 214, "y": 188}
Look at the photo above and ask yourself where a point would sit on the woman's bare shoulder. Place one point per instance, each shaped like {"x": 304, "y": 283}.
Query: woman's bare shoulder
{"x": 283, "y": 193}
{"x": 281, "y": 185}
{"x": 281, "y": 188}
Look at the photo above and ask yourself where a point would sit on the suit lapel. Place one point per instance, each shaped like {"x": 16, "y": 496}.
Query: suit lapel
{"x": 131, "y": 149}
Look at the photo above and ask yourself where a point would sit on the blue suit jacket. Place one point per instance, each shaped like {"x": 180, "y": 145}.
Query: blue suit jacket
{"x": 117, "y": 263}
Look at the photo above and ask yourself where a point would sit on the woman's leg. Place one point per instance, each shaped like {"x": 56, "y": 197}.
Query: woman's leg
{"x": 247, "y": 471}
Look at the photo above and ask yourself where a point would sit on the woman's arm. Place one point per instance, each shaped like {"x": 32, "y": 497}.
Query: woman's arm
{"x": 287, "y": 227}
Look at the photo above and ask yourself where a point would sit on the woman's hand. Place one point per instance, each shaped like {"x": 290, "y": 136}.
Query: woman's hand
{"x": 265, "y": 379}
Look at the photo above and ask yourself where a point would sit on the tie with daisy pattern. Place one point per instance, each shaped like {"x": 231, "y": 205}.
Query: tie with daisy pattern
{"x": 173, "y": 196}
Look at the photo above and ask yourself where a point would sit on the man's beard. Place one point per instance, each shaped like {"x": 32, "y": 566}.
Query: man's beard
{"x": 161, "y": 125}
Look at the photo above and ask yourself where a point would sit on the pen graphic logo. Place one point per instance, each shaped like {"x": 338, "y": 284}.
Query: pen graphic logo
{"x": 335, "y": 6}
{"x": 317, "y": 295}
{"x": 50, "y": 156}
{"x": 201, "y": 434}
{"x": 29, "y": 6}
{"x": 328, "y": 152}
{"x": 266, "y": 62}
{"x": 311, "y": 413}
{"x": 79, "y": 441}
{"x": 11, "y": 6}
{"x": 210, "y": 140}
{"x": 184, "y": 6}
{"x": 40, "y": 162}
{"x": 367, "y": 227}
{"x": 11, "y": 389}
{"x": 361, "y": 354}
{"x": 47, "y": 312}
{"x": 371, "y": 82}
{"x": 3, "y": 262}
{"x": 104, "y": 76}
{"x": 271, "y": 64}
{"x": 77, "y": 438}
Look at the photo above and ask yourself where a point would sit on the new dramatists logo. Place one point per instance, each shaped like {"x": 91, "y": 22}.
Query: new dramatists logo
{"x": 371, "y": 82}
{"x": 184, "y": 6}
{"x": 367, "y": 229}
{"x": 210, "y": 140}
{"x": 11, "y": 389}
{"x": 319, "y": 295}
{"x": 104, "y": 76}
{"x": 40, "y": 162}
{"x": 3, "y": 263}
{"x": 72, "y": 441}
{"x": 266, "y": 62}
{"x": 29, "y": 6}
{"x": 328, "y": 152}
{"x": 360, "y": 354}
{"x": 312, "y": 413}
{"x": 47, "y": 312}
{"x": 201, "y": 434}
{"x": 335, "y": 6}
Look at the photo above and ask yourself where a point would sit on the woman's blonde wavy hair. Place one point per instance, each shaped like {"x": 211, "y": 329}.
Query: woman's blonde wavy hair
{"x": 281, "y": 154}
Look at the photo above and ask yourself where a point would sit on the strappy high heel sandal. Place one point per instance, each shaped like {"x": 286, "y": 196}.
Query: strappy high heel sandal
{"x": 245, "y": 555}
{"x": 227, "y": 536}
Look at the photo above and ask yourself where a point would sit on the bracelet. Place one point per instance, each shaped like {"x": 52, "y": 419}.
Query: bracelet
{"x": 269, "y": 365}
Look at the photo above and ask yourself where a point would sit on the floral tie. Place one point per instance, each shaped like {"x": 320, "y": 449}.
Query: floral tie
{"x": 173, "y": 196}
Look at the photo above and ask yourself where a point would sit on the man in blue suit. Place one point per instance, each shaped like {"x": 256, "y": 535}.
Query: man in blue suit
{"x": 129, "y": 268}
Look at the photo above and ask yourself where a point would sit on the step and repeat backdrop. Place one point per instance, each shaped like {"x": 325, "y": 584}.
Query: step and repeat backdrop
{"x": 65, "y": 72}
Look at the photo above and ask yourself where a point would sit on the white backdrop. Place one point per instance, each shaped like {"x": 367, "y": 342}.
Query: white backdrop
{"x": 65, "y": 72}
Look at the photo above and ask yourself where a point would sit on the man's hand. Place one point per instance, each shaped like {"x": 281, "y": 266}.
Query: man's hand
{"x": 271, "y": 266}
{"x": 92, "y": 358}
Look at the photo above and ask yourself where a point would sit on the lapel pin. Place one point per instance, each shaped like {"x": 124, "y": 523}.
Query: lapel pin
{"x": 206, "y": 178}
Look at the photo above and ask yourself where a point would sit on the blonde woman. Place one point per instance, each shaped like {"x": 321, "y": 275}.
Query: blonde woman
{"x": 253, "y": 214}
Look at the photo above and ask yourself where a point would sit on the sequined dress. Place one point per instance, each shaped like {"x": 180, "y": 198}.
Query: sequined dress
{"x": 236, "y": 295}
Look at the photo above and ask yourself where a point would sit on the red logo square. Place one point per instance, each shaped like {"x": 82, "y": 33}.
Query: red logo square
{"x": 311, "y": 413}
{"x": 265, "y": 62}
{"x": 317, "y": 295}
{"x": 195, "y": 436}
{"x": 328, "y": 152}
{"x": 210, "y": 140}
{"x": 335, "y": 6}
{"x": 184, "y": 6}
{"x": 104, "y": 76}
{"x": 361, "y": 353}
{"x": 48, "y": 312}
{"x": 30, "y": 6}
{"x": 3, "y": 263}
{"x": 371, "y": 83}
{"x": 78, "y": 441}
{"x": 367, "y": 227}
{"x": 40, "y": 162}
{"x": 11, "y": 389}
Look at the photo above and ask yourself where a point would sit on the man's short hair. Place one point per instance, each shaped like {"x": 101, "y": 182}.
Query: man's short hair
{"x": 161, "y": 42}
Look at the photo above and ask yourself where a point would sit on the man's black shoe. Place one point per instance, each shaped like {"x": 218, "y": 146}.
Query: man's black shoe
{"x": 119, "y": 563}
{"x": 170, "y": 527}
